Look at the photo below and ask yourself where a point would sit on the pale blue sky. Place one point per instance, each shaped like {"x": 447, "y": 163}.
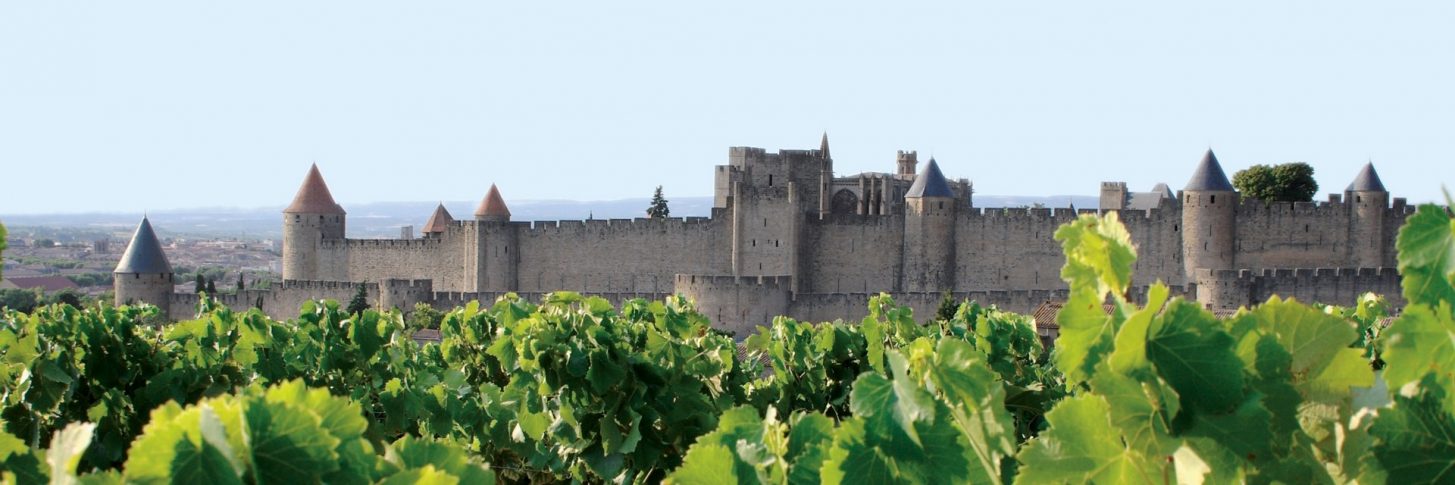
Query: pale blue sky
{"x": 125, "y": 106}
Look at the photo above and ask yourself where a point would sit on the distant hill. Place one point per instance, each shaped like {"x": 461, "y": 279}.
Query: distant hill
{"x": 383, "y": 219}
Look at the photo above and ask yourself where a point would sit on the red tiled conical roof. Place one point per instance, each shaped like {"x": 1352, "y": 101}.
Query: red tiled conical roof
{"x": 313, "y": 197}
{"x": 439, "y": 221}
{"x": 493, "y": 205}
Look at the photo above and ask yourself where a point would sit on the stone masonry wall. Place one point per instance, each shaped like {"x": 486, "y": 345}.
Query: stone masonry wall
{"x": 619, "y": 255}
{"x": 851, "y": 253}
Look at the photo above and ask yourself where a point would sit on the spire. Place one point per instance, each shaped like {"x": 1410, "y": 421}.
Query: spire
{"x": 1366, "y": 181}
{"x": 439, "y": 221}
{"x": 1209, "y": 176}
{"x": 144, "y": 254}
{"x": 493, "y": 206}
{"x": 930, "y": 183}
{"x": 823, "y": 145}
{"x": 313, "y": 197}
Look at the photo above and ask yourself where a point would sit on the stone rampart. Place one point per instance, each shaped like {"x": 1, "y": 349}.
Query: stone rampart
{"x": 1230, "y": 289}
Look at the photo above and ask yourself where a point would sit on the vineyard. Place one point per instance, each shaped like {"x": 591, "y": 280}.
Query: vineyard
{"x": 572, "y": 389}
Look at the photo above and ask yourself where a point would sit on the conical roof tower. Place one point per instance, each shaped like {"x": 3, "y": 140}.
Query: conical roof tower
{"x": 1367, "y": 181}
{"x": 823, "y": 145}
{"x": 439, "y": 221}
{"x": 492, "y": 207}
{"x": 930, "y": 183}
{"x": 313, "y": 197}
{"x": 144, "y": 254}
{"x": 1209, "y": 176}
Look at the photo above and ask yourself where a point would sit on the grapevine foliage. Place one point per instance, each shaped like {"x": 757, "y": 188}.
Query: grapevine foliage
{"x": 572, "y": 389}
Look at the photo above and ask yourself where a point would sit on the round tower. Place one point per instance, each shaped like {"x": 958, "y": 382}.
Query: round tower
{"x": 143, "y": 274}
{"x": 311, "y": 219}
{"x": 1209, "y": 212}
{"x": 497, "y": 251}
{"x": 929, "y": 233}
{"x": 1368, "y": 201}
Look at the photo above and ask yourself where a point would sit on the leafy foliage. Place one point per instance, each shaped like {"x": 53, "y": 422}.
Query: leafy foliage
{"x": 572, "y": 389}
{"x": 1288, "y": 182}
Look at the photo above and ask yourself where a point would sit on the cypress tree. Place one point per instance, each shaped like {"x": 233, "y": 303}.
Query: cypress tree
{"x": 658, "y": 209}
{"x": 360, "y": 302}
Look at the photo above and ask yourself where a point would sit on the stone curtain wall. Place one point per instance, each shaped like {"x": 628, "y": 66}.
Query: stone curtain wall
{"x": 620, "y": 255}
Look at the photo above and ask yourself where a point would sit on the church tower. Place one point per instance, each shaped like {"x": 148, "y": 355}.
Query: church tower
{"x": 1209, "y": 210}
{"x": 1368, "y": 201}
{"x": 143, "y": 274}
{"x": 311, "y": 219}
{"x": 929, "y": 233}
{"x": 497, "y": 252}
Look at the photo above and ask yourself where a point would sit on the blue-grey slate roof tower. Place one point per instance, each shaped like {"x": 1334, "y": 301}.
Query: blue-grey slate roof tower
{"x": 1209, "y": 176}
{"x": 1367, "y": 181}
{"x": 930, "y": 183}
{"x": 144, "y": 254}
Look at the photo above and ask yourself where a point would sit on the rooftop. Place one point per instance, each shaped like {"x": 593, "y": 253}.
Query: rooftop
{"x": 144, "y": 254}
{"x": 1209, "y": 175}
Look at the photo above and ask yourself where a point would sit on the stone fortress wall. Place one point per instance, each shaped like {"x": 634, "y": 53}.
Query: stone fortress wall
{"x": 789, "y": 237}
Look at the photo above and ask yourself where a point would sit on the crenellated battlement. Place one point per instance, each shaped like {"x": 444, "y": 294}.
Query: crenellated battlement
{"x": 1230, "y": 289}
{"x": 322, "y": 285}
{"x": 640, "y": 224}
{"x": 729, "y": 280}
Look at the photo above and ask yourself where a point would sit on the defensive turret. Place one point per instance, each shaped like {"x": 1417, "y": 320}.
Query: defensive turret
{"x": 311, "y": 219}
{"x": 438, "y": 222}
{"x": 492, "y": 207}
{"x": 1368, "y": 202}
{"x": 497, "y": 251}
{"x": 929, "y": 232}
{"x": 143, "y": 274}
{"x": 1209, "y": 209}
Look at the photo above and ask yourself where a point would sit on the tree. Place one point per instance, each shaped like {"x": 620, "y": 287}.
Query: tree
{"x": 1289, "y": 182}
{"x": 360, "y": 302}
{"x": 424, "y": 316}
{"x": 200, "y": 285}
{"x": 2, "y": 249}
{"x": 19, "y": 299}
{"x": 948, "y": 307}
{"x": 658, "y": 209}
{"x": 67, "y": 296}
{"x": 211, "y": 289}
{"x": 240, "y": 286}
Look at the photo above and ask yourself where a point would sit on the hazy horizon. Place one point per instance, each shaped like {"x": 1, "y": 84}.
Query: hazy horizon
{"x": 149, "y": 107}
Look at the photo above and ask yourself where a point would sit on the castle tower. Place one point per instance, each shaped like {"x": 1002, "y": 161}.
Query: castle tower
{"x": 143, "y": 274}
{"x": 1209, "y": 210}
{"x": 905, "y": 162}
{"x": 825, "y": 176}
{"x": 497, "y": 251}
{"x": 438, "y": 222}
{"x": 1113, "y": 196}
{"x": 1368, "y": 201}
{"x": 929, "y": 233}
{"x": 311, "y": 219}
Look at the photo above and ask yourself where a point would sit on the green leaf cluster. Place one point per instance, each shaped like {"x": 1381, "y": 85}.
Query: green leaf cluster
{"x": 1288, "y": 182}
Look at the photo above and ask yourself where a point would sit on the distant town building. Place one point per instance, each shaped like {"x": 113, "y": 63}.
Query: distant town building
{"x": 47, "y": 284}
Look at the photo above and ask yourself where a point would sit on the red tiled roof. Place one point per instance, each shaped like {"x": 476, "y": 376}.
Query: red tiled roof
{"x": 439, "y": 221}
{"x": 493, "y": 204}
{"x": 313, "y": 197}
